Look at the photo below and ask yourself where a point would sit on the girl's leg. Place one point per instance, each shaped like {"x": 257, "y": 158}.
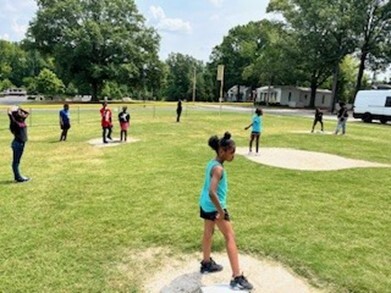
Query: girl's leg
{"x": 110, "y": 129}
{"x": 209, "y": 227}
{"x": 226, "y": 228}
{"x": 126, "y": 135}
{"x": 321, "y": 125}
{"x": 104, "y": 130}
{"x": 121, "y": 134}
{"x": 251, "y": 142}
{"x": 257, "y": 143}
{"x": 64, "y": 136}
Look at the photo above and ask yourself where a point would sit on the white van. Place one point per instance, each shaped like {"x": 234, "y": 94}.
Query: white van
{"x": 373, "y": 105}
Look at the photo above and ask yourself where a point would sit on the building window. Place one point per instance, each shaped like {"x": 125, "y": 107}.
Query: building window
{"x": 388, "y": 102}
{"x": 289, "y": 96}
{"x": 323, "y": 99}
{"x": 305, "y": 97}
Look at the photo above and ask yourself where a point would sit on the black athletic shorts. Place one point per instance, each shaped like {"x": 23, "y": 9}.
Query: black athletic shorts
{"x": 65, "y": 126}
{"x": 211, "y": 216}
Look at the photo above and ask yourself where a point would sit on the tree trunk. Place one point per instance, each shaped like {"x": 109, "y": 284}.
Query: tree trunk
{"x": 314, "y": 86}
{"x": 95, "y": 91}
{"x": 361, "y": 69}
{"x": 335, "y": 88}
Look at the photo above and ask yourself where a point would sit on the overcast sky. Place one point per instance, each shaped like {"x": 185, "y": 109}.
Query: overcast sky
{"x": 190, "y": 27}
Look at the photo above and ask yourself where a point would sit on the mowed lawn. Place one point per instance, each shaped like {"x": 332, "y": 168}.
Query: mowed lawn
{"x": 88, "y": 209}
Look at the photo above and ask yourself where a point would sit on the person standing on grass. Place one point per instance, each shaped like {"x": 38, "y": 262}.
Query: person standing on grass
{"x": 65, "y": 122}
{"x": 256, "y": 130}
{"x": 179, "y": 110}
{"x": 106, "y": 122}
{"x": 342, "y": 116}
{"x": 18, "y": 128}
{"x": 318, "y": 118}
{"x": 124, "y": 120}
{"x": 213, "y": 209}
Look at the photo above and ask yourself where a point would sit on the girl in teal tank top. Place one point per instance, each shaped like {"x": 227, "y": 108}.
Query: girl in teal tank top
{"x": 213, "y": 202}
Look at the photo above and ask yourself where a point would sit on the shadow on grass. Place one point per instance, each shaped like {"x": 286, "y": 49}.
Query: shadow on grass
{"x": 7, "y": 182}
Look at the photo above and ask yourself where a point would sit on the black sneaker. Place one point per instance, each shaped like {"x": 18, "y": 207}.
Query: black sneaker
{"x": 240, "y": 283}
{"x": 22, "y": 180}
{"x": 210, "y": 267}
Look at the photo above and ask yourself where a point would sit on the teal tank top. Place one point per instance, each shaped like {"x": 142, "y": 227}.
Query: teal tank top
{"x": 222, "y": 189}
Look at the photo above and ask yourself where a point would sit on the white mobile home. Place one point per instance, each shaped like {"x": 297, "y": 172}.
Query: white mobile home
{"x": 373, "y": 105}
{"x": 243, "y": 95}
{"x": 293, "y": 96}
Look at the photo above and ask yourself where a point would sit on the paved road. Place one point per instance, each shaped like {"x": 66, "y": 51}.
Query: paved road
{"x": 13, "y": 100}
{"x": 275, "y": 111}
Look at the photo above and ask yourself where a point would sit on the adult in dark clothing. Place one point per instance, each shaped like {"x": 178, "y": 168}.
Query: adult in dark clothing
{"x": 342, "y": 116}
{"x": 178, "y": 110}
{"x": 18, "y": 128}
{"x": 318, "y": 118}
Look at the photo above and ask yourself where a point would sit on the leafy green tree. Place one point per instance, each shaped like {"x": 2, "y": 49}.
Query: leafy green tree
{"x": 375, "y": 31}
{"x": 275, "y": 61}
{"x": 181, "y": 76}
{"x": 13, "y": 62}
{"x": 6, "y": 84}
{"x": 325, "y": 32}
{"x": 95, "y": 41}
{"x": 238, "y": 51}
{"x": 47, "y": 82}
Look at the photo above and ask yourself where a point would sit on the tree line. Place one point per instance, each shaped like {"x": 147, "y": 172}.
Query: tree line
{"x": 104, "y": 48}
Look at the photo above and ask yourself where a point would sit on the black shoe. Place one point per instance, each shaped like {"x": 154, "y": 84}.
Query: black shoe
{"x": 105, "y": 141}
{"x": 240, "y": 283}
{"x": 21, "y": 180}
{"x": 210, "y": 267}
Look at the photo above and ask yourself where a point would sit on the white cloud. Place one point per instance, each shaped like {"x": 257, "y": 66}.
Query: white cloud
{"x": 19, "y": 29}
{"x": 217, "y": 3}
{"x": 5, "y": 37}
{"x": 165, "y": 23}
{"x": 215, "y": 17}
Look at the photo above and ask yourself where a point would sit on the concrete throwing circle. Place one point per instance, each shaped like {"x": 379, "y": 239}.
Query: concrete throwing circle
{"x": 182, "y": 275}
{"x": 304, "y": 160}
{"x": 97, "y": 142}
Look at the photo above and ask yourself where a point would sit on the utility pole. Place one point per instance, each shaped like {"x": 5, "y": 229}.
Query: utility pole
{"x": 194, "y": 83}
{"x": 220, "y": 77}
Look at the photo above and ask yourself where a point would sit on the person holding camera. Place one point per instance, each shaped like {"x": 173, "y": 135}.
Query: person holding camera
{"x": 18, "y": 128}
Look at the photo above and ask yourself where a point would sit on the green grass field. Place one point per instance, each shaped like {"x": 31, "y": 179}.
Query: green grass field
{"x": 88, "y": 208}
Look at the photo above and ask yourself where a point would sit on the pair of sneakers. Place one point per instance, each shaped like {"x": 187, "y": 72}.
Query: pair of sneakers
{"x": 237, "y": 283}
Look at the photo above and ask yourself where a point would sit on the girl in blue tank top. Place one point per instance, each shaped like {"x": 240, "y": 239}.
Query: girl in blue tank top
{"x": 213, "y": 209}
{"x": 256, "y": 131}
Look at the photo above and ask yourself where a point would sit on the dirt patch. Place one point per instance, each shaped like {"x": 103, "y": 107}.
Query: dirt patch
{"x": 304, "y": 160}
{"x": 181, "y": 274}
{"x": 97, "y": 142}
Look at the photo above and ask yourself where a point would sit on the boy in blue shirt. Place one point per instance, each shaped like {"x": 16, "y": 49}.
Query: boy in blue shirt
{"x": 65, "y": 122}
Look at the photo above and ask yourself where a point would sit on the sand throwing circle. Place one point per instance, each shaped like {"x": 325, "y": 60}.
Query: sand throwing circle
{"x": 97, "y": 142}
{"x": 304, "y": 160}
